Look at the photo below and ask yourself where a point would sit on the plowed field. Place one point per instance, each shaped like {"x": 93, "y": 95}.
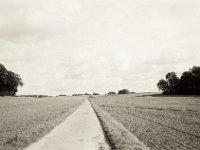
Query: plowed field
{"x": 160, "y": 122}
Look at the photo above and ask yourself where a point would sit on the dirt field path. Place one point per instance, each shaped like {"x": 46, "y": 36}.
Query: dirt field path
{"x": 80, "y": 131}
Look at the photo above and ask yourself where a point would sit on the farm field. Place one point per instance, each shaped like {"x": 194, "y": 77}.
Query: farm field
{"x": 160, "y": 122}
{"x": 25, "y": 120}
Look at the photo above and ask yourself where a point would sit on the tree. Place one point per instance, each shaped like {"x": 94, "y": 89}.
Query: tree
{"x": 170, "y": 85}
{"x": 162, "y": 85}
{"x": 123, "y": 91}
{"x": 172, "y": 82}
{"x": 196, "y": 79}
{"x": 189, "y": 82}
{"x": 186, "y": 82}
{"x": 9, "y": 81}
{"x": 195, "y": 70}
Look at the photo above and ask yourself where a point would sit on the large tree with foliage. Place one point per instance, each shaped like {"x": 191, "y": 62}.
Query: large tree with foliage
{"x": 9, "y": 81}
{"x": 170, "y": 85}
{"x": 123, "y": 91}
{"x": 163, "y": 86}
{"x": 189, "y": 82}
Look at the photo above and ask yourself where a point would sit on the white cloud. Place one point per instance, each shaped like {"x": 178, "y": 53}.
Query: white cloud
{"x": 76, "y": 46}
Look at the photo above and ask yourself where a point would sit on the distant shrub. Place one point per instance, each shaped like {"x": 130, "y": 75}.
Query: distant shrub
{"x": 77, "y": 94}
{"x": 35, "y": 96}
{"x": 111, "y": 93}
{"x": 87, "y": 94}
{"x": 95, "y": 94}
{"x": 123, "y": 91}
{"x": 29, "y": 96}
{"x": 42, "y": 96}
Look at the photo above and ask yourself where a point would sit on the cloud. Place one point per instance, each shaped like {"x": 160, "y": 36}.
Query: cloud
{"x": 24, "y": 21}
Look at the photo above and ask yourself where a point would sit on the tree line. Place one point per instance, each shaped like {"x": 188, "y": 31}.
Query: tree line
{"x": 188, "y": 83}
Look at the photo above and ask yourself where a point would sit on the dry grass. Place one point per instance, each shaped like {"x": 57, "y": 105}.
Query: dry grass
{"x": 118, "y": 137}
{"x": 25, "y": 120}
{"x": 161, "y": 122}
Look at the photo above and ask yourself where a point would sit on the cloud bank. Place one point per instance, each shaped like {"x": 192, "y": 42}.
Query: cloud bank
{"x": 78, "y": 46}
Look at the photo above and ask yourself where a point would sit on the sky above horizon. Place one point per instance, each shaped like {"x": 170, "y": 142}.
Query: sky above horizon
{"x": 79, "y": 46}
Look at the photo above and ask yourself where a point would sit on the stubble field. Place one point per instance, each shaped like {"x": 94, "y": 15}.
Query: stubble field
{"x": 160, "y": 122}
{"x": 25, "y": 120}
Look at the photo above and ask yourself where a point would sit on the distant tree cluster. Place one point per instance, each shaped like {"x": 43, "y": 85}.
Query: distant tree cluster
{"x": 188, "y": 83}
{"x": 95, "y": 94}
{"x": 9, "y": 81}
{"x": 62, "y": 95}
{"x": 77, "y": 94}
{"x": 86, "y": 94}
{"x": 81, "y": 94}
{"x": 123, "y": 91}
{"x": 35, "y": 96}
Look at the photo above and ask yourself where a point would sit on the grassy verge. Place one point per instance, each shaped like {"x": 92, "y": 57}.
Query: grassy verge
{"x": 118, "y": 137}
{"x": 25, "y": 120}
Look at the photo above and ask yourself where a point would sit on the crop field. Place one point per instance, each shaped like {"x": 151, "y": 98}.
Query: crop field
{"x": 160, "y": 122}
{"x": 25, "y": 120}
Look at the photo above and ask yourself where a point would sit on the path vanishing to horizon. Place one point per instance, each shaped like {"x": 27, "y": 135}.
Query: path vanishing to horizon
{"x": 80, "y": 131}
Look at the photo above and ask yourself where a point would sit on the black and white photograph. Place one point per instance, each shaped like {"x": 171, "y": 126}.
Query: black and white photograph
{"x": 99, "y": 74}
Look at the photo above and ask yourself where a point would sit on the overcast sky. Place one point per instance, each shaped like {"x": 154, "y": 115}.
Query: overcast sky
{"x": 78, "y": 46}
